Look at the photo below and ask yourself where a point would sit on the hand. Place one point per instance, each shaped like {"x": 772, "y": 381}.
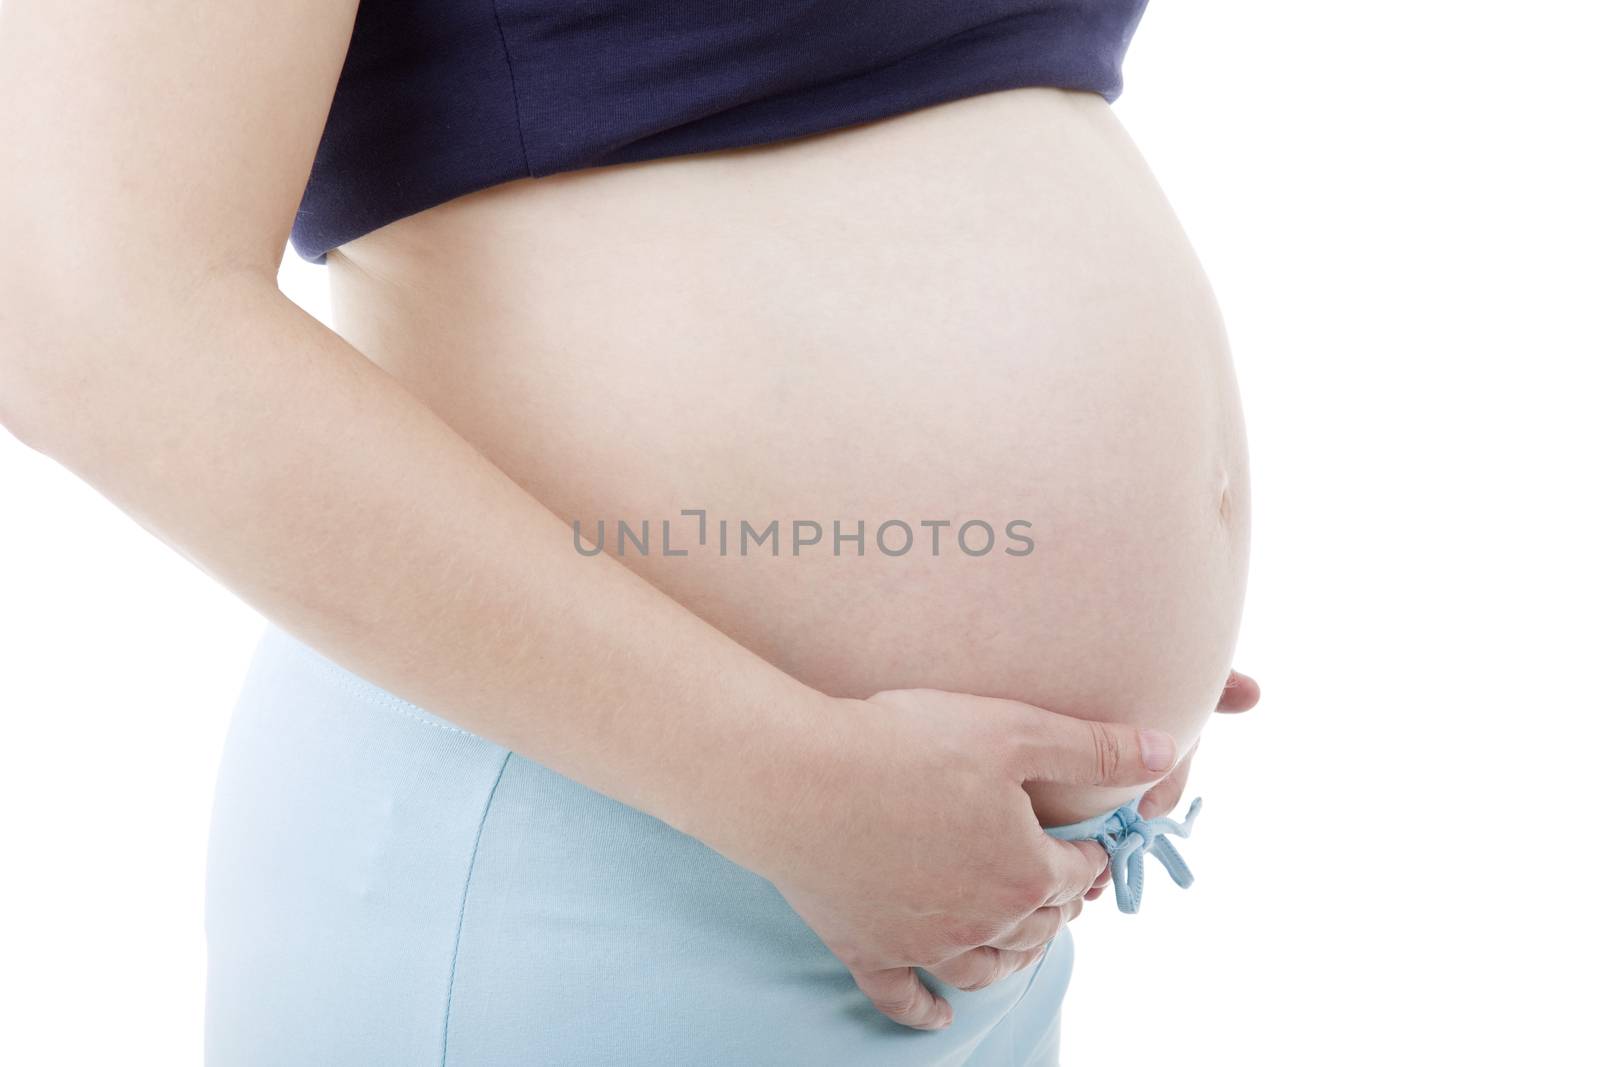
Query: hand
{"x": 919, "y": 846}
{"x": 1239, "y": 693}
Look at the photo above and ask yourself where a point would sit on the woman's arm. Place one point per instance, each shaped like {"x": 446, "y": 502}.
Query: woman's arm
{"x": 151, "y": 157}
{"x": 154, "y": 163}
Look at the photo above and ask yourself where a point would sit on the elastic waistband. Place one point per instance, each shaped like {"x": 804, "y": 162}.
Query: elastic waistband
{"x": 1124, "y": 834}
{"x": 279, "y": 644}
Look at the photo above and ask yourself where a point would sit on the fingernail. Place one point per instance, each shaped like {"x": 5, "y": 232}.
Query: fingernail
{"x": 1157, "y": 749}
{"x": 946, "y": 1016}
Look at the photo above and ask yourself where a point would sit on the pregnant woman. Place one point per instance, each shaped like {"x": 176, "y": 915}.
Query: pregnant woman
{"x": 773, "y": 462}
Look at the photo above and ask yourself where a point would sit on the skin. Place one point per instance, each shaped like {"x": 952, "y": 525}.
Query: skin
{"x": 876, "y": 323}
{"x": 394, "y": 525}
{"x": 1239, "y": 693}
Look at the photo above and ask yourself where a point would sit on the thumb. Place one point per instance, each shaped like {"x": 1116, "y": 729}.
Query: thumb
{"x": 1083, "y": 752}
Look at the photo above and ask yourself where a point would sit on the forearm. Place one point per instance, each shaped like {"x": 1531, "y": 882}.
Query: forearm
{"x": 308, "y": 481}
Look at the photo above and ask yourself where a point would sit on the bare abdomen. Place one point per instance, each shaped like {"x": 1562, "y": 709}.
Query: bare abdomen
{"x": 982, "y": 313}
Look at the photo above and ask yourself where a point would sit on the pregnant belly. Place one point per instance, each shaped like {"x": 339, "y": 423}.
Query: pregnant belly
{"x": 941, "y": 401}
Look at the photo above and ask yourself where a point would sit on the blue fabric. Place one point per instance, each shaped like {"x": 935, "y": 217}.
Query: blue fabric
{"x": 1127, "y": 836}
{"x": 439, "y": 98}
{"x": 385, "y": 888}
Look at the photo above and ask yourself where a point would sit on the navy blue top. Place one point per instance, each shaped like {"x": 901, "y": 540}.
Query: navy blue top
{"x": 439, "y": 98}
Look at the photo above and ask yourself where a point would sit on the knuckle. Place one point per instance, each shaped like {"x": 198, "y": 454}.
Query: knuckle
{"x": 899, "y": 1004}
{"x": 1026, "y": 894}
{"x": 1107, "y": 751}
{"x": 967, "y": 933}
{"x": 983, "y": 970}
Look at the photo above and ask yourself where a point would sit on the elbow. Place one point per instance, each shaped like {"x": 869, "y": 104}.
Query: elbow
{"x": 40, "y": 360}
{"x": 60, "y": 389}
{"x": 37, "y": 324}
{"x": 83, "y": 352}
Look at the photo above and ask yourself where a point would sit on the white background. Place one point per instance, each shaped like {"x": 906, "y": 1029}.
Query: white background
{"x": 1395, "y": 201}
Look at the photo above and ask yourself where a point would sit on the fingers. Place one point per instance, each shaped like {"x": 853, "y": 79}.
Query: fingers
{"x": 984, "y": 966}
{"x": 1239, "y": 693}
{"x": 1082, "y": 752}
{"x": 1033, "y": 931}
{"x": 900, "y": 994}
{"x": 1165, "y": 794}
{"x": 1076, "y": 865}
{"x": 1040, "y": 927}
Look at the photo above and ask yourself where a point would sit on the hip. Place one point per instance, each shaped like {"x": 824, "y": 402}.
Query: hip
{"x": 385, "y": 887}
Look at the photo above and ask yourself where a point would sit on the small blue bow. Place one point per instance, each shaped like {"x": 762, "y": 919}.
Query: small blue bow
{"x": 1126, "y": 837}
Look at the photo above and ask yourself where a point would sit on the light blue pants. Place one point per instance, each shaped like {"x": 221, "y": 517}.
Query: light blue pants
{"x": 387, "y": 889}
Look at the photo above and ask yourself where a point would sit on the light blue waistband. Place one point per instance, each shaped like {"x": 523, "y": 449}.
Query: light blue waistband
{"x": 1126, "y": 836}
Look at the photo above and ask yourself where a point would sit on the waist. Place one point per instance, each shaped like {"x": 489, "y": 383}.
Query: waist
{"x": 977, "y": 317}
